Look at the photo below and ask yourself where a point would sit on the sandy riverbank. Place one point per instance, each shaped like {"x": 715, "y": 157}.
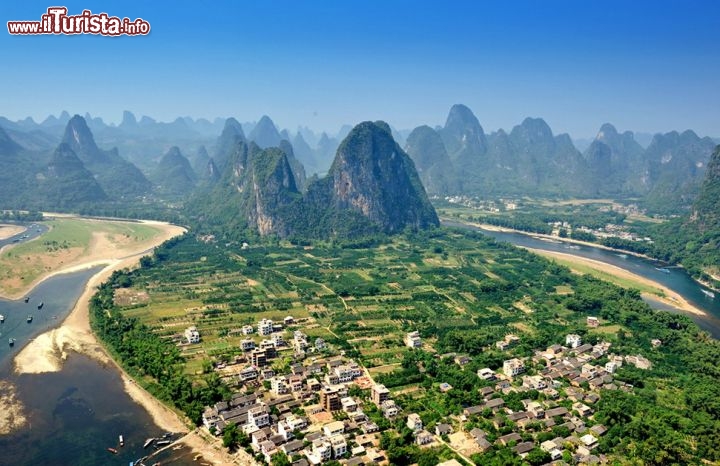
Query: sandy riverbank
{"x": 47, "y": 352}
{"x": 100, "y": 251}
{"x": 6, "y": 231}
{"x": 671, "y": 298}
{"x": 489, "y": 227}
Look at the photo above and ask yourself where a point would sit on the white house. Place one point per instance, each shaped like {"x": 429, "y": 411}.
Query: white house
{"x": 513, "y": 367}
{"x": 192, "y": 335}
{"x": 414, "y": 422}
{"x": 413, "y": 340}
{"x": 573, "y": 340}
{"x": 247, "y": 345}
{"x": 265, "y": 327}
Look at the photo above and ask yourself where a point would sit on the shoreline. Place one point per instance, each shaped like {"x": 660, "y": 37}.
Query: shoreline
{"x": 8, "y": 231}
{"x": 671, "y": 297}
{"x": 102, "y": 252}
{"x": 48, "y": 351}
{"x": 489, "y": 227}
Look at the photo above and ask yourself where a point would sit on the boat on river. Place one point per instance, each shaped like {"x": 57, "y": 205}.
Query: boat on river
{"x": 662, "y": 269}
{"x": 709, "y": 294}
{"x": 27, "y": 298}
{"x": 148, "y": 442}
{"x": 112, "y": 450}
{"x": 29, "y": 319}
{"x": 2, "y": 319}
{"x": 11, "y": 341}
{"x": 122, "y": 440}
{"x": 40, "y": 306}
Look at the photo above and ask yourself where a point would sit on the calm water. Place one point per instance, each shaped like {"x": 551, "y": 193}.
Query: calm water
{"x": 73, "y": 415}
{"x": 674, "y": 278}
{"x": 57, "y": 295}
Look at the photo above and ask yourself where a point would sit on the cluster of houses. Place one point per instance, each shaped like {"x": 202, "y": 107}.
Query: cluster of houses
{"x": 570, "y": 381}
{"x": 307, "y": 411}
{"x": 308, "y": 399}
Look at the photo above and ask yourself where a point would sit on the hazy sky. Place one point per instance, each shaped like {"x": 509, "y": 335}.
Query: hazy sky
{"x": 642, "y": 65}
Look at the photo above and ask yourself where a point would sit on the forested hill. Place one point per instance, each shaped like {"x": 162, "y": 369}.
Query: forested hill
{"x": 372, "y": 187}
{"x": 694, "y": 240}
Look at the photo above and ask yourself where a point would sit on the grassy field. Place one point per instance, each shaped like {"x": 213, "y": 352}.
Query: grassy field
{"x": 70, "y": 241}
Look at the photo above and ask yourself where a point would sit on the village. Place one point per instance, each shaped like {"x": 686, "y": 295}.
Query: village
{"x": 309, "y": 402}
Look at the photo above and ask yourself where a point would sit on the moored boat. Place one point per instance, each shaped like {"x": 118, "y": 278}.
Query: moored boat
{"x": 122, "y": 441}
{"x": 11, "y": 341}
{"x": 40, "y": 306}
{"x": 29, "y": 319}
{"x": 148, "y": 442}
{"x": 27, "y": 298}
{"x": 2, "y": 319}
{"x": 112, "y": 450}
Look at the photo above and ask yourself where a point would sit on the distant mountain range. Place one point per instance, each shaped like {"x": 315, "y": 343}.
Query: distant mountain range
{"x": 172, "y": 160}
{"x": 460, "y": 158}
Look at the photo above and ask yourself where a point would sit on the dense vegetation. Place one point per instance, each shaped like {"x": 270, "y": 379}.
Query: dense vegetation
{"x": 149, "y": 358}
{"x": 461, "y": 290}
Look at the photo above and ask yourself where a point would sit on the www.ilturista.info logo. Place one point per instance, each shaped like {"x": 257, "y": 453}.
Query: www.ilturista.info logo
{"x": 57, "y": 21}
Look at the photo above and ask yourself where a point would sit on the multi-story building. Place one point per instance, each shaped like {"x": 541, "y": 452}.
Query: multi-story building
{"x": 413, "y": 340}
{"x": 513, "y": 367}
{"x": 414, "y": 422}
{"x": 330, "y": 399}
{"x": 573, "y": 340}
{"x": 258, "y": 416}
{"x": 247, "y": 345}
{"x": 380, "y": 394}
{"x": 258, "y": 357}
{"x": 265, "y": 327}
{"x": 192, "y": 335}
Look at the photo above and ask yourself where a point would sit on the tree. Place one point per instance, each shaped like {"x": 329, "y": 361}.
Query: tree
{"x": 231, "y": 436}
{"x": 280, "y": 459}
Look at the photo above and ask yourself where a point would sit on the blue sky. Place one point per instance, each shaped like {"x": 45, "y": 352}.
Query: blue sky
{"x": 642, "y": 65}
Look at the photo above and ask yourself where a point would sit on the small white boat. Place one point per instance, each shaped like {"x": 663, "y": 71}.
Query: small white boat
{"x": 709, "y": 294}
{"x": 2, "y": 318}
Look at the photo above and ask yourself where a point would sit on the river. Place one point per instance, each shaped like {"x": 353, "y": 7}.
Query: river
{"x": 75, "y": 414}
{"x": 674, "y": 278}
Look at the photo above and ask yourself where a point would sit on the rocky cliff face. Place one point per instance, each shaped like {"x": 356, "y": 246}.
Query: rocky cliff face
{"x": 372, "y": 176}
{"x": 372, "y": 186}
{"x": 706, "y": 209}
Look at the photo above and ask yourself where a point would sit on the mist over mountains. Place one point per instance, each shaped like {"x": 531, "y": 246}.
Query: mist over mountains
{"x": 150, "y": 160}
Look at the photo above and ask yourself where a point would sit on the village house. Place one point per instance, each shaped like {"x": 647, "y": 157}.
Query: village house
{"x": 413, "y": 340}
{"x": 192, "y": 335}
{"x": 513, "y": 367}
{"x": 486, "y": 374}
{"x": 265, "y": 327}
{"x": 414, "y": 422}
{"x": 573, "y": 340}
